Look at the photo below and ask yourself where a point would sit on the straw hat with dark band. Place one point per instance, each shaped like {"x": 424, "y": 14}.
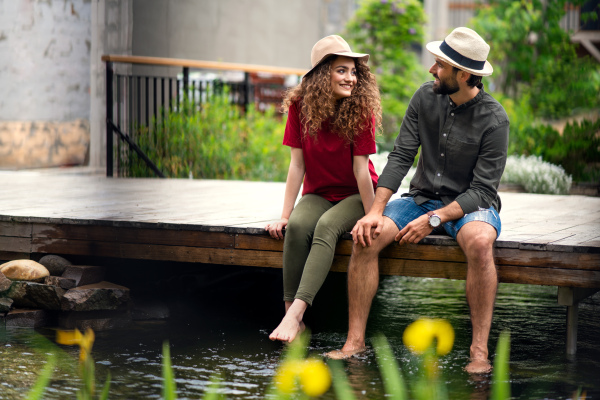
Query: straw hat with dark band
{"x": 464, "y": 49}
{"x": 331, "y": 45}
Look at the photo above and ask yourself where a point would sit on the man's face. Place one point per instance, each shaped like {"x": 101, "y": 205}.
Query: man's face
{"x": 445, "y": 77}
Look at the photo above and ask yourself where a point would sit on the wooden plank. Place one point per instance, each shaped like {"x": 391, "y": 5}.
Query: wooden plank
{"x": 218, "y": 65}
{"x": 133, "y": 235}
{"x": 506, "y": 273}
{"x": 257, "y": 242}
{"x": 547, "y": 259}
{"x": 134, "y": 251}
{"x": 15, "y": 244}
{"x": 503, "y": 256}
{"x": 16, "y": 229}
{"x": 549, "y": 276}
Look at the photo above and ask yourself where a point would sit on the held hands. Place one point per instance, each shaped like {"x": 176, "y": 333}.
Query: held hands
{"x": 414, "y": 231}
{"x": 276, "y": 228}
{"x": 367, "y": 228}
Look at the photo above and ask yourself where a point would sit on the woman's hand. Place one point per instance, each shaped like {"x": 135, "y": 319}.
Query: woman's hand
{"x": 276, "y": 228}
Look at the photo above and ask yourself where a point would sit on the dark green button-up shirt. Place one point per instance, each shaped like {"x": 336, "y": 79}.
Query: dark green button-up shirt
{"x": 463, "y": 150}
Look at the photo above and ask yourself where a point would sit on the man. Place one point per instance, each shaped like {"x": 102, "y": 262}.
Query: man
{"x": 463, "y": 135}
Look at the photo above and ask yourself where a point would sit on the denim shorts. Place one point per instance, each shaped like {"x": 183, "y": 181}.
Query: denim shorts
{"x": 404, "y": 210}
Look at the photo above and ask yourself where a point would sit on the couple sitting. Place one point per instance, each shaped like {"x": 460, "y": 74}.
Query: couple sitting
{"x": 463, "y": 135}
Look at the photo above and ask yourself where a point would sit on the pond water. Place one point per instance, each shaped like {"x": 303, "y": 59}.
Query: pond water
{"x": 221, "y": 325}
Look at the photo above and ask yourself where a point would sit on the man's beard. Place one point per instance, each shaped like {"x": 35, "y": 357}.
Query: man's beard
{"x": 445, "y": 87}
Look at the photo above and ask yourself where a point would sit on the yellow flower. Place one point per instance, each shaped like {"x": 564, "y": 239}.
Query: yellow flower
{"x": 419, "y": 335}
{"x": 445, "y": 336}
{"x": 313, "y": 374}
{"x": 285, "y": 378}
{"x": 315, "y": 377}
{"x": 75, "y": 337}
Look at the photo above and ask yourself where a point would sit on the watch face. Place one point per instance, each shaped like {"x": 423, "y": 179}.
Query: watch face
{"x": 435, "y": 221}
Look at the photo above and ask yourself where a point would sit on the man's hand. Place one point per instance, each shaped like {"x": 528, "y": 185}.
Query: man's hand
{"x": 414, "y": 231}
{"x": 363, "y": 231}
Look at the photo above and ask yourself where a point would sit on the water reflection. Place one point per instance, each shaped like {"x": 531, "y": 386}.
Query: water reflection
{"x": 217, "y": 330}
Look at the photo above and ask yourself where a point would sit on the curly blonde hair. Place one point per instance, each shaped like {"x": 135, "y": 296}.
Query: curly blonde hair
{"x": 347, "y": 116}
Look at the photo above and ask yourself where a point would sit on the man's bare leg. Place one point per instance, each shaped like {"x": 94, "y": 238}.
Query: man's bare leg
{"x": 363, "y": 279}
{"x": 291, "y": 324}
{"x": 477, "y": 240}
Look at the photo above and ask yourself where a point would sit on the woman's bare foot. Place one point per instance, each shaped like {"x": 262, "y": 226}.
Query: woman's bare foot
{"x": 288, "y": 329}
{"x": 291, "y": 325}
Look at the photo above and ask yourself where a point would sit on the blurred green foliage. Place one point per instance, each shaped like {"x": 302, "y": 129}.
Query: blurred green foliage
{"x": 576, "y": 149}
{"x": 390, "y": 31}
{"x": 216, "y": 141}
{"x": 533, "y": 56}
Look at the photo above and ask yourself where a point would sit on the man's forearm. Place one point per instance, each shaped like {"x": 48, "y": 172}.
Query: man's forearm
{"x": 382, "y": 196}
{"x": 451, "y": 212}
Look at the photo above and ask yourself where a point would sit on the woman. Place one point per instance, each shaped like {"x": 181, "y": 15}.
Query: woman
{"x": 332, "y": 118}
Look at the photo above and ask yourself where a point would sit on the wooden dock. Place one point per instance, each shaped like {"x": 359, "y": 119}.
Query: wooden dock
{"x": 545, "y": 240}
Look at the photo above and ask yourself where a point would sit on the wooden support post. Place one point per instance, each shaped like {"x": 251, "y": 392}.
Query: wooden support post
{"x": 570, "y": 297}
{"x": 572, "y": 316}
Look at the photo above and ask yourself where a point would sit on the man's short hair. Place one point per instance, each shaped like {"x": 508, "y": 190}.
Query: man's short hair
{"x": 473, "y": 80}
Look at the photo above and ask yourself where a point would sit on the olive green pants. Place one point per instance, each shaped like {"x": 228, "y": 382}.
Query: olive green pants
{"x": 311, "y": 235}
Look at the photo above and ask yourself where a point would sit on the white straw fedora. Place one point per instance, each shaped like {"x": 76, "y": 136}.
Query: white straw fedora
{"x": 464, "y": 49}
{"x": 330, "y": 45}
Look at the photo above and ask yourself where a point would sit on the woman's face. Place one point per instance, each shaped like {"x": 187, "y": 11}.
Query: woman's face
{"x": 343, "y": 77}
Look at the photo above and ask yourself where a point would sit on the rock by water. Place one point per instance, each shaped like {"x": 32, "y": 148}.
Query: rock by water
{"x": 24, "y": 270}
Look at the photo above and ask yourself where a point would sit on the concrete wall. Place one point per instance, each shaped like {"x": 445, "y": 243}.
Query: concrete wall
{"x": 45, "y": 81}
{"x": 45, "y": 60}
{"x": 264, "y": 32}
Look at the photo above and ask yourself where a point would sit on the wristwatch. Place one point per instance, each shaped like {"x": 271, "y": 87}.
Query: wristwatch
{"x": 434, "y": 219}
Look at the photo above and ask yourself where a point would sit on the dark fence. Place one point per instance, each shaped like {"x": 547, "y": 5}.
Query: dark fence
{"x": 138, "y": 103}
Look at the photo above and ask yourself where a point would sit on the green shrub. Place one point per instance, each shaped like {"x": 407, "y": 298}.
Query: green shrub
{"x": 578, "y": 150}
{"x": 532, "y": 55}
{"x": 536, "y": 175}
{"x": 217, "y": 141}
{"x": 390, "y": 30}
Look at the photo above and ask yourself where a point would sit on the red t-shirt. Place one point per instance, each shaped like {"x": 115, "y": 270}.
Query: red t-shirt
{"x": 328, "y": 158}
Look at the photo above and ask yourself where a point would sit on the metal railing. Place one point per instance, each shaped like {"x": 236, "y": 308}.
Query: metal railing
{"x": 136, "y": 102}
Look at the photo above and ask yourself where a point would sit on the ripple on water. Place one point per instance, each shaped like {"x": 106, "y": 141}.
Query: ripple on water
{"x": 235, "y": 345}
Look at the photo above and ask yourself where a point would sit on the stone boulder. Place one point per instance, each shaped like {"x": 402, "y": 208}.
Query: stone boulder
{"x": 97, "y": 296}
{"x": 63, "y": 283}
{"x": 4, "y": 283}
{"x": 5, "y": 305}
{"x": 24, "y": 270}
{"x": 36, "y": 295}
{"x": 84, "y": 274}
{"x": 55, "y": 264}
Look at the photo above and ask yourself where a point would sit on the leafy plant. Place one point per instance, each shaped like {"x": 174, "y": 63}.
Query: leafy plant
{"x": 215, "y": 141}
{"x": 536, "y": 175}
{"x": 501, "y": 376}
{"x": 86, "y": 362}
{"x": 390, "y": 31}
{"x": 533, "y": 56}
{"x": 578, "y": 150}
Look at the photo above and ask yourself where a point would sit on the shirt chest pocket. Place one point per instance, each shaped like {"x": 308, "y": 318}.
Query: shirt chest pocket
{"x": 462, "y": 153}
